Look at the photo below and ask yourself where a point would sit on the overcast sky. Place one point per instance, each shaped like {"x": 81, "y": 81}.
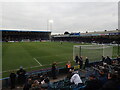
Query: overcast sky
{"x": 66, "y": 16}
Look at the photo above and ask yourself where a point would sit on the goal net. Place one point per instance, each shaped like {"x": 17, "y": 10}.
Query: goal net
{"x": 93, "y": 52}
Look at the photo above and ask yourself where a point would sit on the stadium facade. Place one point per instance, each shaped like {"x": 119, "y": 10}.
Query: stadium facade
{"x": 25, "y": 35}
{"x": 97, "y": 37}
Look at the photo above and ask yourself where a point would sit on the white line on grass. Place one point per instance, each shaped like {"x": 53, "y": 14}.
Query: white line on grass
{"x": 37, "y": 61}
{"x": 31, "y": 67}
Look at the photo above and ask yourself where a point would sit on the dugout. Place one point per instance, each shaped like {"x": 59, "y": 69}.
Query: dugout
{"x": 25, "y": 35}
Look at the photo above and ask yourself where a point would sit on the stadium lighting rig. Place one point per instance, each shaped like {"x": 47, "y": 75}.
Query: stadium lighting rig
{"x": 50, "y": 21}
{"x": 118, "y": 44}
{"x": 50, "y": 24}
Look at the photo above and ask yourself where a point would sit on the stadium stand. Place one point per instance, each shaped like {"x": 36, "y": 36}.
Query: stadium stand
{"x": 25, "y": 35}
{"x": 99, "y": 76}
{"x": 112, "y": 36}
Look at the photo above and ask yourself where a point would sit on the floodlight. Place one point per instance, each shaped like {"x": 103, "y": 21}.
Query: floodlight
{"x": 50, "y": 21}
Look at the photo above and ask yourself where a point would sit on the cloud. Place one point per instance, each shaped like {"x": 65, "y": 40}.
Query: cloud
{"x": 71, "y": 16}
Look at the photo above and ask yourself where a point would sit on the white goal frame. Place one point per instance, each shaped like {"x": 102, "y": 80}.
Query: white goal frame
{"x": 106, "y": 50}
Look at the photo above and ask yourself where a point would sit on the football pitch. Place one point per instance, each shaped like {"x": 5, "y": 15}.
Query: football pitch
{"x": 36, "y": 55}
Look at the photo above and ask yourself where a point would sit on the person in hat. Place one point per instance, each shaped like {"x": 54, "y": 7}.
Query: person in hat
{"x": 21, "y": 76}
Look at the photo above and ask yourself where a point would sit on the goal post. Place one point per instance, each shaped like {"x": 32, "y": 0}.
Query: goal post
{"x": 93, "y": 52}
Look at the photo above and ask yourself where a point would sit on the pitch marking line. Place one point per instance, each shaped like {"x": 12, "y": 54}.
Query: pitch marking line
{"x": 37, "y": 61}
{"x": 29, "y": 67}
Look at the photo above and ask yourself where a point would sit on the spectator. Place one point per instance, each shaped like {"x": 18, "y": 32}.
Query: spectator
{"x": 111, "y": 83}
{"x": 12, "y": 80}
{"x": 102, "y": 77}
{"x": 76, "y": 59}
{"x": 46, "y": 84}
{"x": 81, "y": 62}
{"x": 93, "y": 83}
{"x": 108, "y": 60}
{"x": 103, "y": 58}
{"x": 28, "y": 84}
{"x": 21, "y": 76}
{"x": 54, "y": 70}
{"x": 70, "y": 73}
{"x": 86, "y": 63}
{"x": 68, "y": 66}
{"x": 36, "y": 85}
{"x": 76, "y": 79}
{"x": 41, "y": 78}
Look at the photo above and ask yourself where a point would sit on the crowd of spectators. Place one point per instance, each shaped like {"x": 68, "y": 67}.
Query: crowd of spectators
{"x": 79, "y": 61}
{"x": 102, "y": 76}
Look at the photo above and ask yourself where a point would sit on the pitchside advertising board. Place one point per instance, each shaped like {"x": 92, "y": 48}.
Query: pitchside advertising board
{"x": 75, "y": 34}
{"x": 118, "y": 33}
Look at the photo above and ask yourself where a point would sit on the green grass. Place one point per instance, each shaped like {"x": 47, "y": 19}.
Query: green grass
{"x": 19, "y": 54}
{"x": 23, "y": 54}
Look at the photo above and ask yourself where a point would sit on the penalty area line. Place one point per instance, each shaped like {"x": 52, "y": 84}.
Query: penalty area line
{"x": 37, "y": 61}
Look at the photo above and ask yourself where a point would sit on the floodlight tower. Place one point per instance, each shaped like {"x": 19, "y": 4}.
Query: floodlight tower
{"x": 50, "y": 24}
{"x": 118, "y": 43}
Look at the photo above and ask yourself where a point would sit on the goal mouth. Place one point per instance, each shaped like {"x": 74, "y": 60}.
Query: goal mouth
{"x": 92, "y": 52}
